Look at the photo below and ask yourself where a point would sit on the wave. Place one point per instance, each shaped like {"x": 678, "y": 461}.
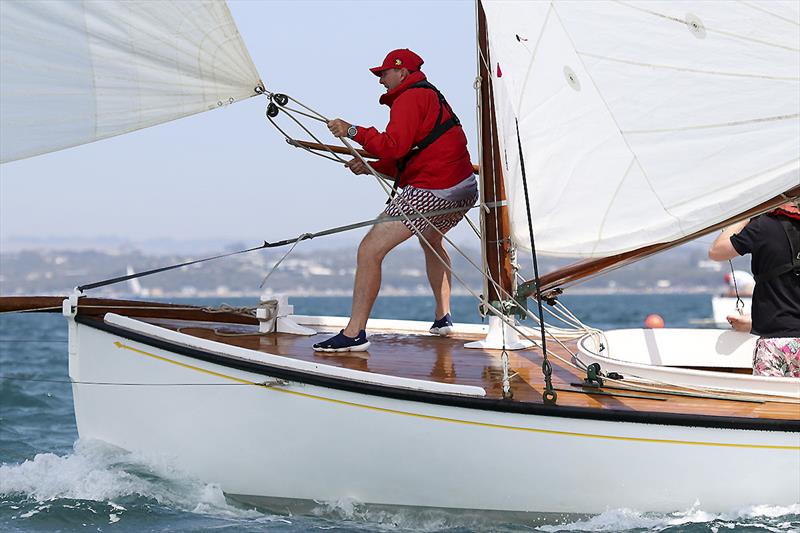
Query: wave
{"x": 99, "y": 472}
{"x": 767, "y": 517}
{"x": 99, "y": 483}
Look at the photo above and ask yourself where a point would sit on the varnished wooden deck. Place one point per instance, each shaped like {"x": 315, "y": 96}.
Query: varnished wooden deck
{"x": 445, "y": 360}
{"x": 427, "y": 357}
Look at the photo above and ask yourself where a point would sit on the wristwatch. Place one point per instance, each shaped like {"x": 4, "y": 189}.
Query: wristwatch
{"x": 352, "y": 131}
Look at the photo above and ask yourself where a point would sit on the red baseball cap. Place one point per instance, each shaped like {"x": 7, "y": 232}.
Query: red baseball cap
{"x": 402, "y": 58}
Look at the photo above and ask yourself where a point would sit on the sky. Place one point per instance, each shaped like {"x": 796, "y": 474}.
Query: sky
{"x": 227, "y": 175}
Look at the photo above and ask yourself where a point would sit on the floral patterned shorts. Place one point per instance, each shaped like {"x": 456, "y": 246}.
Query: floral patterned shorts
{"x": 413, "y": 200}
{"x": 777, "y": 357}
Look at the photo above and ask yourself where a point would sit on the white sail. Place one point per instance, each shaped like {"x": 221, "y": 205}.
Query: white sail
{"x": 643, "y": 122}
{"x": 75, "y": 72}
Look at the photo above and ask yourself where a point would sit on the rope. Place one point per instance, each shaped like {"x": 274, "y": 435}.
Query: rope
{"x": 119, "y": 279}
{"x": 275, "y": 266}
{"x": 549, "y": 395}
{"x": 739, "y": 302}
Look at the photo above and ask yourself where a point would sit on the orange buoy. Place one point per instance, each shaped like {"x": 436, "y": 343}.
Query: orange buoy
{"x": 654, "y": 321}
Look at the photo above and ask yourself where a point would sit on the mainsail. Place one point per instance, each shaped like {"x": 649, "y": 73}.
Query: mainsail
{"x": 642, "y": 122}
{"x": 75, "y": 72}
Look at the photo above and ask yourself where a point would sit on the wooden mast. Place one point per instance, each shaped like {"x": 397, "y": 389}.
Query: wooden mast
{"x": 496, "y": 226}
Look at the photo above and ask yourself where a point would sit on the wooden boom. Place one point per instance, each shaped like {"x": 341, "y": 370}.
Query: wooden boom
{"x": 581, "y": 270}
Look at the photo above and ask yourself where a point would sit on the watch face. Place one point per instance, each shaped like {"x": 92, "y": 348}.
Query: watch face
{"x": 351, "y": 131}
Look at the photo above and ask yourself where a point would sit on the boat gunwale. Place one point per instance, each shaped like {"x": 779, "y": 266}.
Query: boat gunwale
{"x": 450, "y": 400}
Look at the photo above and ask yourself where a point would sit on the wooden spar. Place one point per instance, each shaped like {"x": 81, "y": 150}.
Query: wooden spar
{"x": 496, "y": 225}
{"x": 574, "y": 272}
{"x": 343, "y": 150}
{"x": 100, "y": 306}
{"x": 335, "y": 149}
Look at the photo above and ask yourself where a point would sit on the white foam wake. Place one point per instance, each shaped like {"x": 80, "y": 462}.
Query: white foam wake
{"x": 629, "y": 519}
{"x": 99, "y": 472}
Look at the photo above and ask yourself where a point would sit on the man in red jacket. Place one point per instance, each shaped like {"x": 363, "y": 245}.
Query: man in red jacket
{"x": 425, "y": 150}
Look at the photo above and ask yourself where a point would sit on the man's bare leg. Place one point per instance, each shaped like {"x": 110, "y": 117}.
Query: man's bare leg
{"x": 438, "y": 270}
{"x": 380, "y": 240}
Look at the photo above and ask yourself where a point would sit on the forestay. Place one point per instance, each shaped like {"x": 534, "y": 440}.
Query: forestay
{"x": 75, "y": 72}
{"x": 643, "y": 122}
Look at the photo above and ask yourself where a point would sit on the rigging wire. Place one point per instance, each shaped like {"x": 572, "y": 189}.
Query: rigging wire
{"x": 265, "y": 245}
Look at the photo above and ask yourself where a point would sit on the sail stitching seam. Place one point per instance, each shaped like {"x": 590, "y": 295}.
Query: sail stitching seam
{"x": 611, "y": 203}
{"x": 616, "y": 122}
{"x": 776, "y": 118}
{"x": 721, "y": 32}
{"x": 757, "y": 8}
{"x": 533, "y": 57}
{"x": 687, "y": 69}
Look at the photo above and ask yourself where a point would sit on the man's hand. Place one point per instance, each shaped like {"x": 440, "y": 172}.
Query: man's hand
{"x": 357, "y": 167}
{"x": 743, "y": 323}
{"x": 338, "y": 127}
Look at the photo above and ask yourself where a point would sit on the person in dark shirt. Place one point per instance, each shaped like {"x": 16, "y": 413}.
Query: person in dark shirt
{"x": 776, "y": 298}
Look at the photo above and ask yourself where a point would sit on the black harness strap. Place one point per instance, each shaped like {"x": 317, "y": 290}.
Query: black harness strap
{"x": 438, "y": 130}
{"x": 792, "y": 230}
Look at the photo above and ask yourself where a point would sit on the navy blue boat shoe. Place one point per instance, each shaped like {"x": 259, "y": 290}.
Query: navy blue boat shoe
{"x": 443, "y": 326}
{"x": 343, "y": 343}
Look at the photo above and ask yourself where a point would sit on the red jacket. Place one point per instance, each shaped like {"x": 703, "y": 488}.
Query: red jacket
{"x": 413, "y": 115}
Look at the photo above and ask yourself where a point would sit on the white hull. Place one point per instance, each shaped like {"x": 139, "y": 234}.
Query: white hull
{"x": 303, "y": 441}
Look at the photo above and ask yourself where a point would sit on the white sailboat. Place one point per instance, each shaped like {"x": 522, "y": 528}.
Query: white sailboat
{"x": 652, "y": 122}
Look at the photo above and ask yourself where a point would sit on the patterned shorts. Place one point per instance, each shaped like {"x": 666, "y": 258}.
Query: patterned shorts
{"x": 413, "y": 200}
{"x": 777, "y": 357}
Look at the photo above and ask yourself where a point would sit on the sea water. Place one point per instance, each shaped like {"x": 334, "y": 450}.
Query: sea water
{"x": 51, "y": 481}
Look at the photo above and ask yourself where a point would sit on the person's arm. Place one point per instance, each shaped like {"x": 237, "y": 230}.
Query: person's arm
{"x": 722, "y": 249}
{"x": 743, "y": 323}
{"x": 382, "y": 166}
{"x": 405, "y": 120}
{"x": 339, "y": 128}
